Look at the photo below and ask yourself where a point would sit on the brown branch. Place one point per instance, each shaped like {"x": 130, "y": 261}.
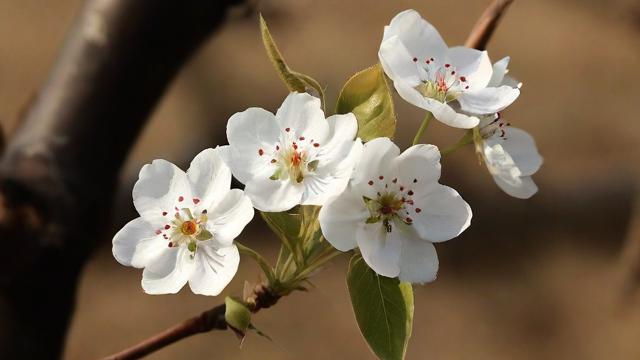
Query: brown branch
{"x": 59, "y": 170}
{"x": 212, "y": 319}
{"x": 486, "y": 24}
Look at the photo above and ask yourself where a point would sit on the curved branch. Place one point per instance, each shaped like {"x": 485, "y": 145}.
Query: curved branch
{"x": 486, "y": 24}
{"x": 209, "y": 320}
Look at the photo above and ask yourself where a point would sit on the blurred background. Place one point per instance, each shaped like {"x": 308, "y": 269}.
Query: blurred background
{"x": 531, "y": 279}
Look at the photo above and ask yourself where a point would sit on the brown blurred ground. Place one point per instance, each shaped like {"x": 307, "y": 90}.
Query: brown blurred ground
{"x": 532, "y": 279}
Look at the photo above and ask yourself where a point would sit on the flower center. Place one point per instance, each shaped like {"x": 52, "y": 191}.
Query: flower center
{"x": 440, "y": 81}
{"x": 185, "y": 228}
{"x": 189, "y": 227}
{"x": 295, "y": 159}
{"x": 393, "y": 203}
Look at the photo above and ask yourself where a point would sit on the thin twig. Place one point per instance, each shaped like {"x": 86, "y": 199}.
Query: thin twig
{"x": 486, "y": 24}
{"x": 263, "y": 298}
{"x": 209, "y": 320}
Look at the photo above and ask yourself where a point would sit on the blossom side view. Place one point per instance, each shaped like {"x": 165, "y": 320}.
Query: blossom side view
{"x": 293, "y": 157}
{"x": 394, "y": 209}
{"x": 451, "y": 83}
{"x": 510, "y": 153}
{"x": 186, "y": 228}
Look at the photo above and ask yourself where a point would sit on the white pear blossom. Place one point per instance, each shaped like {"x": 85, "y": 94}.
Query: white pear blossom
{"x": 510, "y": 153}
{"x": 394, "y": 209}
{"x": 186, "y": 228}
{"x": 451, "y": 83}
{"x": 293, "y": 157}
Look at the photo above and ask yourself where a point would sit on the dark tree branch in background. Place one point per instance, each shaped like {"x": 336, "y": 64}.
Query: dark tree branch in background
{"x": 214, "y": 319}
{"x": 486, "y": 24}
{"x": 59, "y": 170}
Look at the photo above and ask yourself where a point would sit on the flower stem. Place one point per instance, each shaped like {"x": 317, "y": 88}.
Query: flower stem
{"x": 423, "y": 127}
{"x": 466, "y": 139}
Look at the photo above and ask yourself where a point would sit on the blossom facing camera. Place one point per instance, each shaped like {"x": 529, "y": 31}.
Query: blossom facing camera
{"x": 510, "y": 154}
{"x": 186, "y": 228}
{"x": 293, "y": 157}
{"x": 394, "y": 209}
{"x": 451, "y": 83}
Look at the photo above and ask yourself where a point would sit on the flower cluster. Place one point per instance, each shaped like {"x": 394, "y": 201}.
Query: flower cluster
{"x": 387, "y": 203}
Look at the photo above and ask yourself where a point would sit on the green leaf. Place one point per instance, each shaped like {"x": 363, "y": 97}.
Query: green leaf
{"x": 367, "y": 95}
{"x": 383, "y": 308}
{"x": 294, "y": 80}
{"x": 237, "y": 316}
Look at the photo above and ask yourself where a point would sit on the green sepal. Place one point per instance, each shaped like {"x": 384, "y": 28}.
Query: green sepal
{"x": 204, "y": 235}
{"x": 237, "y": 316}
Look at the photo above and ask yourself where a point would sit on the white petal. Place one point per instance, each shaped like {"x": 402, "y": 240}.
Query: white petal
{"x": 380, "y": 249}
{"x": 137, "y": 244}
{"x": 332, "y": 179}
{"x": 302, "y": 113}
{"x": 342, "y": 130}
{"x": 158, "y": 189}
{"x": 488, "y": 100}
{"x": 397, "y": 62}
{"x": 473, "y": 64}
{"x": 521, "y": 187}
{"x": 419, "y": 167}
{"x": 418, "y": 261}
{"x": 443, "y": 216}
{"x": 509, "y": 81}
{"x": 441, "y": 111}
{"x": 499, "y": 71}
{"x": 341, "y": 217}
{"x": 274, "y": 195}
{"x": 230, "y": 216}
{"x": 247, "y": 133}
{"x": 420, "y": 37}
{"x": 214, "y": 269}
{"x": 168, "y": 273}
{"x": 210, "y": 179}
{"x": 521, "y": 146}
{"x": 376, "y": 160}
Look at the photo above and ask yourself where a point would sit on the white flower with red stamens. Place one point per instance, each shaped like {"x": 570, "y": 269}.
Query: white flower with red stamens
{"x": 293, "y": 157}
{"x": 451, "y": 83}
{"x": 394, "y": 209}
{"x": 510, "y": 153}
{"x": 186, "y": 226}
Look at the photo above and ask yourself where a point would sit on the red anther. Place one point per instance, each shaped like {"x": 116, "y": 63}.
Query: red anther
{"x": 418, "y": 210}
{"x": 260, "y": 152}
{"x": 181, "y": 198}
{"x": 196, "y": 201}
{"x": 370, "y": 182}
{"x": 167, "y": 227}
